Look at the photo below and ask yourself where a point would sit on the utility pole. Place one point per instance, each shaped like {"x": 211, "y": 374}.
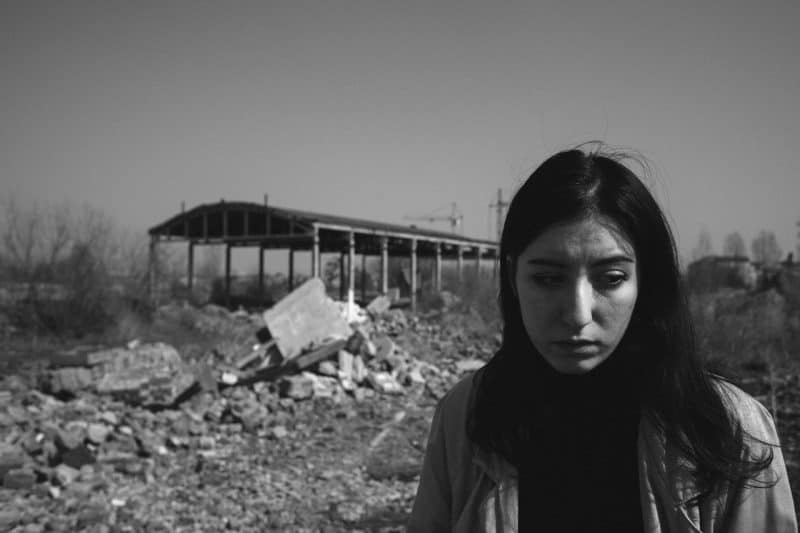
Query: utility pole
{"x": 499, "y": 206}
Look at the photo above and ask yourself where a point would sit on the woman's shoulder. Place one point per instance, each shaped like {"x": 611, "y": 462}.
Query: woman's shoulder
{"x": 455, "y": 402}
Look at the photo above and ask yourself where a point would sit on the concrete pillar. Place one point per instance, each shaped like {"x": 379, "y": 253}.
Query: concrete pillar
{"x": 190, "y": 267}
{"x": 477, "y": 263}
{"x": 384, "y": 265}
{"x": 260, "y": 270}
{"x": 437, "y": 276}
{"x": 363, "y": 277}
{"x": 315, "y": 255}
{"x": 152, "y": 271}
{"x": 460, "y": 263}
{"x": 291, "y": 269}
{"x": 342, "y": 294}
{"x": 413, "y": 274}
{"x": 227, "y": 275}
{"x": 351, "y": 267}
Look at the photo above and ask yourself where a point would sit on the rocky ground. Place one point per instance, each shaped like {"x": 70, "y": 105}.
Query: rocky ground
{"x": 195, "y": 441}
{"x": 209, "y": 441}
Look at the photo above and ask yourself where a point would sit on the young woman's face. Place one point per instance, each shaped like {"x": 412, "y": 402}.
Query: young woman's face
{"x": 577, "y": 286}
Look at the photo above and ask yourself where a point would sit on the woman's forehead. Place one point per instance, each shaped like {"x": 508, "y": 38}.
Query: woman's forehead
{"x": 586, "y": 238}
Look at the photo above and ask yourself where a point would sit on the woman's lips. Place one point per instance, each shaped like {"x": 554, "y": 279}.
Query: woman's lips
{"x": 579, "y": 346}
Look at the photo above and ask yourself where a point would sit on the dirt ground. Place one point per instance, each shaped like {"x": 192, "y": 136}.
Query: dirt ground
{"x": 345, "y": 462}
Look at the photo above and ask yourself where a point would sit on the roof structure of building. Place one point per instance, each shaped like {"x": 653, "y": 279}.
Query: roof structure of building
{"x": 250, "y": 224}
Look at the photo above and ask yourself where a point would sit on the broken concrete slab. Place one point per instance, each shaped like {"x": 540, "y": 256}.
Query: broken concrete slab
{"x": 149, "y": 375}
{"x": 304, "y": 318}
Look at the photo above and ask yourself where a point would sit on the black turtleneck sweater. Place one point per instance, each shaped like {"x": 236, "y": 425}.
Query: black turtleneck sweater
{"x": 582, "y": 470}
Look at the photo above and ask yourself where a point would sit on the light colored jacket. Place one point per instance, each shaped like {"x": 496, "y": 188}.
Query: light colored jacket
{"x": 463, "y": 489}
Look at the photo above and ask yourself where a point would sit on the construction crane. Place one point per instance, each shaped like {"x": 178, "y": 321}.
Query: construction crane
{"x": 456, "y": 218}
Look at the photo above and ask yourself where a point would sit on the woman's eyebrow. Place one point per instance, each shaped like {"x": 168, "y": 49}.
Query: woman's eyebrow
{"x": 610, "y": 260}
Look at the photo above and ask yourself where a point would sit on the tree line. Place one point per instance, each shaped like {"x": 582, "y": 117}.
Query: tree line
{"x": 764, "y": 247}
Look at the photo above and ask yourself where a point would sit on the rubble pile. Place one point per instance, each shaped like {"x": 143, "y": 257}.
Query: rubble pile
{"x": 311, "y": 416}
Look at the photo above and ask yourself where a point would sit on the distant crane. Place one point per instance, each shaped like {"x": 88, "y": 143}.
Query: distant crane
{"x": 456, "y": 218}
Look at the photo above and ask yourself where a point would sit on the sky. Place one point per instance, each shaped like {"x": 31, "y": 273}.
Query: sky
{"x": 385, "y": 110}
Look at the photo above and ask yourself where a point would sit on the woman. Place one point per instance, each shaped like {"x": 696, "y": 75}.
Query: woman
{"x": 596, "y": 413}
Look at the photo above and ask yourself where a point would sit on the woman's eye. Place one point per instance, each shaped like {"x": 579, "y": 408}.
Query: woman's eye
{"x": 614, "y": 279}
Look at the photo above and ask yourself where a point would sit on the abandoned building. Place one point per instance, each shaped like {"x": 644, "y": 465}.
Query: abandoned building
{"x": 266, "y": 227}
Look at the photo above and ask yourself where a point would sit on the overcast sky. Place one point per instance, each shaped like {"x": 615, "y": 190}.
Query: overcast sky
{"x": 381, "y": 109}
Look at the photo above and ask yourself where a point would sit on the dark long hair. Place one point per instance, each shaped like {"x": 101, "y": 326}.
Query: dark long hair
{"x": 676, "y": 391}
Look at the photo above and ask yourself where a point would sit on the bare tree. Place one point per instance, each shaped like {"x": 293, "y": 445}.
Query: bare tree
{"x": 734, "y": 245}
{"x": 704, "y": 247}
{"x": 765, "y": 248}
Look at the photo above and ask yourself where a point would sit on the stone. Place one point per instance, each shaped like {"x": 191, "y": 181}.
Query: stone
{"x": 305, "y": 317}
{"x": 359, "y": 370}
{"x": 77, "y": 457}
{"x": 345, "y": 359}
{"x": 379, "y": 305}
{"x": 69, "y": 438}
{"x": 279, "y": 432}
{"x": 19, "y": 479}
{"x": 327, "y": 368}
{"x": 296, "y": 387}
{"x": 65, "y": 474}
{"x": 9, "y": 518}
{"x": 70, "y": 380}
{"x": 384, "y": 382}
{"x": 384, "y": 347}
{"x": 469, "y": 365}
{"x": 11, "y": 457}
{"x": 97, "y": 433}
{"x": 205, "y": 377}
{"x": 109, "y": 417}
{"x": 322, "y": 386}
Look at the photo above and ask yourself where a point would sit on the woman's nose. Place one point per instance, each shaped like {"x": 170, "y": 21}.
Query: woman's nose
{"x": 579, "y": 304}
